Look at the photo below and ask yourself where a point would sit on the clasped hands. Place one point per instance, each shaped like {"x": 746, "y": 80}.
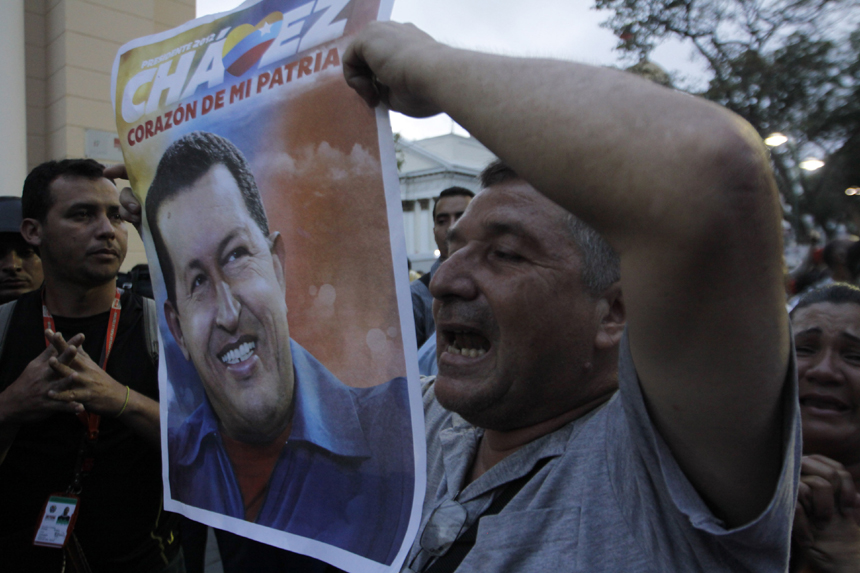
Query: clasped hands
{"x": 827, "y": 517}
{"x": 63, "y": 378}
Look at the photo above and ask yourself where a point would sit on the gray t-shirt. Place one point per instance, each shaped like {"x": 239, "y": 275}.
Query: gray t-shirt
{"x": 612, "y": 499}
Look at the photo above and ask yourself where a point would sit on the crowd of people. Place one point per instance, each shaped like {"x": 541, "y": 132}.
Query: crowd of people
{"x": 616, "y": 386}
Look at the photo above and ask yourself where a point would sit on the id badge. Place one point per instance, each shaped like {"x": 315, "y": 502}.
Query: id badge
{"x": 57, "y": 520}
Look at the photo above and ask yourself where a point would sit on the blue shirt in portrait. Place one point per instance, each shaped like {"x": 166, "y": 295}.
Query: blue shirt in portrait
{"x": 344, "y": 477}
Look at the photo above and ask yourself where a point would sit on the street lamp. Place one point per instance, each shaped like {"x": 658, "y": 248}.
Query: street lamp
{"x": 775, "y": 140}
{"x": 787, "y": 163}
{"x": 811, "y": 164}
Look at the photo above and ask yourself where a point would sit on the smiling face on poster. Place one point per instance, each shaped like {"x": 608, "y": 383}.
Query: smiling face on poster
{"x": 268, "y": 190}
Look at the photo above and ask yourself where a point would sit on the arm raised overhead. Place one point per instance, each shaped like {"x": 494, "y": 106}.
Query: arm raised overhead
{"x": 681, "y": 188}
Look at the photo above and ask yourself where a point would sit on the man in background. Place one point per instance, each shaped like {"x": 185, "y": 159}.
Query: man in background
{"x": 448, "y": 207}
{"x": 79, "y": 389}
{"x": 20, "y": 265}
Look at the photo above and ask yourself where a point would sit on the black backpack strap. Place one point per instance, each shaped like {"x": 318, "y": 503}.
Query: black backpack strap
{"x": 6, "y": 311}
{"x": 449, "y": 562}
{"x": 150, "y": 327}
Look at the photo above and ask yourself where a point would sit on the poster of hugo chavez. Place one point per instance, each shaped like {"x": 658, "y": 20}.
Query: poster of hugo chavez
{"x": 273, "y": 230}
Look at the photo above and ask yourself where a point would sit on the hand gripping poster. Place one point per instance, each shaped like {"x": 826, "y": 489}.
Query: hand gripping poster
{"x": 271, "y": 219}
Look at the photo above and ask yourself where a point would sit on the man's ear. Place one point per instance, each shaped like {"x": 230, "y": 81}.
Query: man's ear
{"x": 279, "y": 258}
{"x": 175, "y": 327}
{"x": 31, "y": 230}
{"x": 613, "y": 317}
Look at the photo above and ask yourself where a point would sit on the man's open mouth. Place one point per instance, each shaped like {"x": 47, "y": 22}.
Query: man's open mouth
{"x": 466, "y": 343}
{"x": 238, "y": 351}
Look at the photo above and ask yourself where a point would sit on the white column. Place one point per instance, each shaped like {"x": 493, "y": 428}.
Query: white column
{"x": 409, "y": 231}
{"x": 13, "y": 119}
{"x": 421, "y": 228}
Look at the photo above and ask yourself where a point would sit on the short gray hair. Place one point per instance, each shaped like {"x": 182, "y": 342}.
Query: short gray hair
{"x": 601, "y": 266}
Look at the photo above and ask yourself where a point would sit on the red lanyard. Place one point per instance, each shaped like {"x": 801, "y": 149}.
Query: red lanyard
{"x": 91, "y": 421}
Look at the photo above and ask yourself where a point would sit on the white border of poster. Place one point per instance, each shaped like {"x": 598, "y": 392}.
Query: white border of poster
{"x": 345, "y": 277}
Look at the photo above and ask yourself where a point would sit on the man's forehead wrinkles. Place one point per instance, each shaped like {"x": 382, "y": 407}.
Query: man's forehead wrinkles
{"x": 817, "y": 331}
{"x": 83, "y": 204}
{"x": 66, "y": 188}
{"x": 492, "y": 225}
{"x": 92, "y": 205}
{"x": 500, "y": 224}
{"x": 813, "y": 330}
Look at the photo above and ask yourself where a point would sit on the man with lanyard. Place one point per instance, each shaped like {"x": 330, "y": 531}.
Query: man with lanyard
{"x": 79, "y": 423}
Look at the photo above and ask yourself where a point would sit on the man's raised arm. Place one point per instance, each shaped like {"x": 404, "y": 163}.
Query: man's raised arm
{"x": 681, "y": 188}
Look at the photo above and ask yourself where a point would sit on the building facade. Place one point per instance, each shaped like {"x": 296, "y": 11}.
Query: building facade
{"x": 57, "y": 62}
